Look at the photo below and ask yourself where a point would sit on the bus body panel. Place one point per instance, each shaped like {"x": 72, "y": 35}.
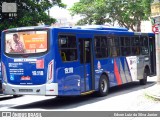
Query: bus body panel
{"x": 119, "y": 70}
{"x": 67, "y": 73}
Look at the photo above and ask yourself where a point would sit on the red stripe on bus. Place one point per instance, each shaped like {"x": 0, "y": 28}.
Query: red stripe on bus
{"x": 116, "y": 72}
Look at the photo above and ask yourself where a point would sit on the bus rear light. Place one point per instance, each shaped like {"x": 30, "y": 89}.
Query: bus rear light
{"x": 25, "y": 78}
{"x": 51, "y": 90}
{"x": 50, "y": 72}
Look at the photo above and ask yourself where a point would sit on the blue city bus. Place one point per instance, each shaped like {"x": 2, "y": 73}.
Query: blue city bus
{"x": 69, "y": 61}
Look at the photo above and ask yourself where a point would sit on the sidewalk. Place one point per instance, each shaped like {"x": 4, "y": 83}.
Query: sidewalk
{"x": 153, "y": 91}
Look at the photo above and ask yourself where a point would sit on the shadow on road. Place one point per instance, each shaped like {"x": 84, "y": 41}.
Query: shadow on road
{"x": 4, "y": 97}
{"x": 73, "y": 102}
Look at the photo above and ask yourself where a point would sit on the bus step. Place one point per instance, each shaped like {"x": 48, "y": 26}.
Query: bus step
{"x": 88, "y": 92}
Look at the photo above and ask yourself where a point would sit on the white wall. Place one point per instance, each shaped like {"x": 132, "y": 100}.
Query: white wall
{"x": 146, "y": 26}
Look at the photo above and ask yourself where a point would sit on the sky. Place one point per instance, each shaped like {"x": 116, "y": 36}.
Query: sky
{"x": 57, "y": 12}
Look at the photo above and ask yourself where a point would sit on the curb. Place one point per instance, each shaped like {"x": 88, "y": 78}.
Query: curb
{"x": 152, "y": 96}
{"x": 153, "y": 92}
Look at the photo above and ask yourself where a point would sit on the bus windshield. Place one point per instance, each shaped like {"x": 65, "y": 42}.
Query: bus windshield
{"x": 26, "y": 42}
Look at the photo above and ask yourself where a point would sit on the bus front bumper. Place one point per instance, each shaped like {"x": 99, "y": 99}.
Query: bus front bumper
{"x": 45, "y": 89}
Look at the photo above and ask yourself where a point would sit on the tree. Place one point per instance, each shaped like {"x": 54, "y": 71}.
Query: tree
{"x": 29, "y": 13}
{"x": 127, "y": 13}
{"x": 91, "y": 11}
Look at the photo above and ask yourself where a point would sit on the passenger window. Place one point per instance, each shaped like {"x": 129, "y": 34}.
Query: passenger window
{"x": 67, "y": 47}
{"x": 101, "y": 49}
{"x": 136, "y": 45}
{"x": 125, "y": 46}
{"x": 145, "y": 48}
{"x": 135, "y": 41}
{"x": 136, "y": 50}
{"x": 113, "y": 44}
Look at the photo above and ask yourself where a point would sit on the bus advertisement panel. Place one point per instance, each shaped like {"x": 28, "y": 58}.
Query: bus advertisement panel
{"x": 26, "y": 42}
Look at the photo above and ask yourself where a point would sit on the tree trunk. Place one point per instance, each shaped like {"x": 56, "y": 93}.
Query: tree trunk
{"x": 132, "y": 28}
{"x": 139, "y": 27}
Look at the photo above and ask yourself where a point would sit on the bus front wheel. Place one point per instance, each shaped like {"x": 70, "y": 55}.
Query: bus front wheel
{"x": 144, "y": 80}
{"x": 103, "y": 86}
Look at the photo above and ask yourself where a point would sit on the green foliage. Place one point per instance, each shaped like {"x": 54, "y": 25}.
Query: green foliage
{"x": 29, "y": 13}
{"x": 127, "y": 13}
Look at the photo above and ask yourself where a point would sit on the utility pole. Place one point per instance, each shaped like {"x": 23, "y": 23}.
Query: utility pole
{"x": 155, "y": 14}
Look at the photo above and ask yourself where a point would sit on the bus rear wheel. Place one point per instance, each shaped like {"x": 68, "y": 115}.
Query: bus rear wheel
{"x": 144, "y": 80}
{"x": 103, "y": 86}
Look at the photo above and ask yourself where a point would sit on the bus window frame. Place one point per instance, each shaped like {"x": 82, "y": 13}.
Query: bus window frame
{"x": 27, "y": 54}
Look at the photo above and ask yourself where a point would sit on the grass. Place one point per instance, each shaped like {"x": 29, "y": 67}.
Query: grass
{"x": 151, "y": 97}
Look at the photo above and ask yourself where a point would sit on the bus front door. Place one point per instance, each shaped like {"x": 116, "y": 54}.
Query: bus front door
{"x": 152, "y": 55}
{"x": 86, "y": 61}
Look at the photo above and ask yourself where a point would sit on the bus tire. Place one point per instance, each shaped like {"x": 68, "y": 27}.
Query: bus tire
{"x": 144, "y": 80}
{"x": 103, "y": 86}
{"x": 15, "y": 96}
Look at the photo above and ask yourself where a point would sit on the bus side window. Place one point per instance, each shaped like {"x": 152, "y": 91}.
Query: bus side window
{"x": 136, "y": 50}
{"x": 136, "y": 45}
{"x": 125, "y": 46}
{"x": 113, "y": 44}
{"x": 101, "y": 48}
{"x": 144, "y": 48}
{"x": 68, "y": 47}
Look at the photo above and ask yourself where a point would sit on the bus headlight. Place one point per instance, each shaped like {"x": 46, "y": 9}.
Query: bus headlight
{"x": 50, "y": 72}
{"x": 4, "y": 75}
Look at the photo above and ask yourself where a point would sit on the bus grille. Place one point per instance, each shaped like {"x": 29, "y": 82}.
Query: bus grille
{"x": 25, "y": 90}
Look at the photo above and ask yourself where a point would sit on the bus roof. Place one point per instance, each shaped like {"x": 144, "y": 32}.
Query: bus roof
{"x": 101, "y": 27}
{"x": 104, "y": 28}
{"x": 28, "y": 28}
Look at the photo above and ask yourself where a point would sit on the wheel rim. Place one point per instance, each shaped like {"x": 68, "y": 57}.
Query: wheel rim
{"x": 104, "y": 86}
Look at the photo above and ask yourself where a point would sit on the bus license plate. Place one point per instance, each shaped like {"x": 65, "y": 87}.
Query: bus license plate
{"x": 25, "y": 90}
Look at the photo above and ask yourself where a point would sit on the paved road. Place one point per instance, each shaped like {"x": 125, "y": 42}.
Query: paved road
{"x": 127, "y": 97}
